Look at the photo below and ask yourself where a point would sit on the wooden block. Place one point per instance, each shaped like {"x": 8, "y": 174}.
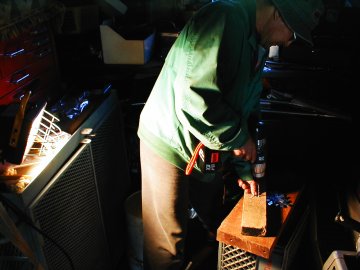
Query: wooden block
{"x": 229, "y": 231}
{"x": 254, "y": 218}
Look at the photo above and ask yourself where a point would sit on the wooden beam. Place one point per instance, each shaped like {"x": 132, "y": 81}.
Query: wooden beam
{"x": 254, "y": 215}
{"x": 229, "y": 231}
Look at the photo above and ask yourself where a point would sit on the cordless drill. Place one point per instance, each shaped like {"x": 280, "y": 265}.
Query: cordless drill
{"x": 259, "y": 165}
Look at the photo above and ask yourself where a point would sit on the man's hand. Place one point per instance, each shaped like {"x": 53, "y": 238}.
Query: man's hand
{"x": 250, "y": 187}
{"x": 247, "y": 151}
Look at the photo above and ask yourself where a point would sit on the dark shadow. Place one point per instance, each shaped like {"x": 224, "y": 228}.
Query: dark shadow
{"x": 273, "y": 220}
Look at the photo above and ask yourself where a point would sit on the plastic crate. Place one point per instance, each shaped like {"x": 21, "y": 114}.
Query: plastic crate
{"x": 233, "y": 258}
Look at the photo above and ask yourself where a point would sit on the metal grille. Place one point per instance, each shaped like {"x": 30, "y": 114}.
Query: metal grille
{"x": 233, "y": 258}
{"x": 69, "y": 213}
{"x": 110, "y": 158}
{"x": 112, "y": 174}
{"x": 45, "y": 137}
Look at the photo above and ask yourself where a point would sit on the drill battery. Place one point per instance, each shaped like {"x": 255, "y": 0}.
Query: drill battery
{"x": 208, "y": 160}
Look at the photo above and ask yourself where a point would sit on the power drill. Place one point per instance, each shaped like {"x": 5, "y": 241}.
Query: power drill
{"x": 232, "y": 190}
{"x": 259, "y": 165}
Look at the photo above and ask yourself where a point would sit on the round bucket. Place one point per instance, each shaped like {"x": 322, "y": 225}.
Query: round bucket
{"x": 134, "y": 231}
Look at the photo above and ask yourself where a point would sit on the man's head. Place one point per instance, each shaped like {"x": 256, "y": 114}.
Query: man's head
{"x": 301, "y": 16}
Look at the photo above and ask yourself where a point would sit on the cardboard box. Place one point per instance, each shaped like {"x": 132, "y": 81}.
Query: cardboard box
{"x": 117, "y": 49}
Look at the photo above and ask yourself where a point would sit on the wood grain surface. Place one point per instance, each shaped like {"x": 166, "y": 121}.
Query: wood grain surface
{"x": 229, "y": 231}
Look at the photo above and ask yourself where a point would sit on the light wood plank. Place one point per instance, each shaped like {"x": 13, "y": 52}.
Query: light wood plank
{"x": 254, "y": 216}
{"x": 229, "y": 232}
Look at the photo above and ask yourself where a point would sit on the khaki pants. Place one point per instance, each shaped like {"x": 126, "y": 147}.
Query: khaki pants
{"x": 166, "y": 193}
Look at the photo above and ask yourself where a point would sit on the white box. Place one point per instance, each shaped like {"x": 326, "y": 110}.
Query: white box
{"x": 118, "y": 50}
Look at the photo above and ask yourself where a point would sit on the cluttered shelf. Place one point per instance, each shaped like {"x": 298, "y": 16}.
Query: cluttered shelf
{"x": 45, "y": 129}
{"x": 81, "y": 64}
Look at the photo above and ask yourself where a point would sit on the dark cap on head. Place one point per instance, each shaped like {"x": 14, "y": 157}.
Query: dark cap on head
{"x": 302, "y": 16}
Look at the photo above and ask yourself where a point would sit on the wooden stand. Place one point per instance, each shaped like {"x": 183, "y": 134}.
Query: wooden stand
{"x": 229, "y": 231}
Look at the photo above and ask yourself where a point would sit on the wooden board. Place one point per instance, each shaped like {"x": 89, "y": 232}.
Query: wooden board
{"x": 254, "y": 216}
{"x": 229, "y": 231}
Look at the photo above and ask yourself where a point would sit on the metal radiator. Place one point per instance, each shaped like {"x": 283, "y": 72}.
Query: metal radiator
{"x": 77, "y": 200}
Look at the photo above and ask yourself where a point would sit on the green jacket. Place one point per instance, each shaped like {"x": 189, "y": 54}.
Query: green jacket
{"x": 207, "y": 88}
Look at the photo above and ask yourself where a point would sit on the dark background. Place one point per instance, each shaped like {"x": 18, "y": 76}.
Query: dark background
{"x": 310, "y": 142}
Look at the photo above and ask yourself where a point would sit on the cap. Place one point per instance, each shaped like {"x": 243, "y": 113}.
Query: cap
{"x": 302, "y": 16}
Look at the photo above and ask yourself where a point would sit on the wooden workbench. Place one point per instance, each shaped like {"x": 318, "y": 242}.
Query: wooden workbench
{"x": 229, "y": 231}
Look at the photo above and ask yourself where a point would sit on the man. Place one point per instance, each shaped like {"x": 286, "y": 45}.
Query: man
{"x": 208, "y": 88}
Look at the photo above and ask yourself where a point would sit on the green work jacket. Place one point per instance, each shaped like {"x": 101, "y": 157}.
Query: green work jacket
{"x": 209, "y": 85}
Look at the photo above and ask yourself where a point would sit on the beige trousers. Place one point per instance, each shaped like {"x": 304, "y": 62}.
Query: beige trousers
{"x": 166, "y": 195}
{"x": 165, "y": 201}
